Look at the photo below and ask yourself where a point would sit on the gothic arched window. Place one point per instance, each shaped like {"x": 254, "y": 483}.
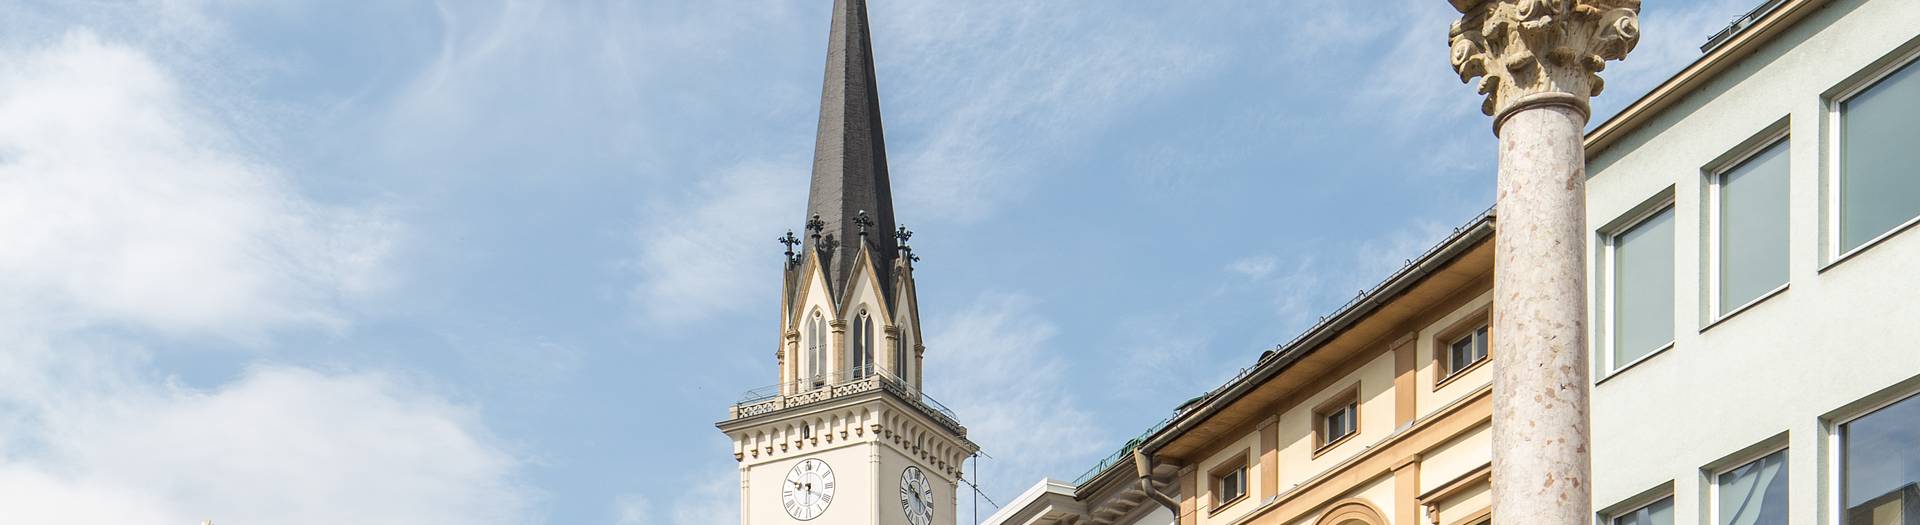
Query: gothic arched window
{"x": 817, "y": 350}
{"x": 862, "y": 345}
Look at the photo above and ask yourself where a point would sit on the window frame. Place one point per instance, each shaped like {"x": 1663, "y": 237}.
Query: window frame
{"x": 1735, "y": 463}
{"x": 1638, "y": 503}
{"x": 1716, "y": 177}
{"x": 1835, "y": 453}
{"x": 1482, "y": 332}
{"x": 1606, "y": 266}
{"x": 1348, "y": 399}
{"x": 817, "y": 335}
{"x": 1238, "y": 464}
{"x": 861, "y": 346}
{"x": 1834, "y": 176}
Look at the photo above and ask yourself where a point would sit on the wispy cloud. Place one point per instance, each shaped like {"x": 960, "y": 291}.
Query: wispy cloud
{"x": 1312, "y": 283}
{"x": 695, "y": 248}
{"x": 1671, "y": 35}
{"x": 994, "y": 84}
{"x": 707, "y": 501}
{"x": 998, "y": 369}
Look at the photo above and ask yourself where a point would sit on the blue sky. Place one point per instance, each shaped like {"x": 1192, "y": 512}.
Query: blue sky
{"x": 495, "y": 261}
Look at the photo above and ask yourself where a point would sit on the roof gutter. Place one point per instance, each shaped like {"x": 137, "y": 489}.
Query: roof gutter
{"x": 1462, "y": 240}
{"x": 1143, "y": 466}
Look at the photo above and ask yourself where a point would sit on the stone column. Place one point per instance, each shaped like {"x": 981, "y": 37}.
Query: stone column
{"x": 1539, "y": 62}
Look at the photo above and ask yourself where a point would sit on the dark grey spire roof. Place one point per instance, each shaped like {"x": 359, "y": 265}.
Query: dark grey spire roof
{"x": 850, "y": 155}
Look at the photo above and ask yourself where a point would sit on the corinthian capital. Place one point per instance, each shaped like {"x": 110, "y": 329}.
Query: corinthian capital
{"x": 1540, "y": 50}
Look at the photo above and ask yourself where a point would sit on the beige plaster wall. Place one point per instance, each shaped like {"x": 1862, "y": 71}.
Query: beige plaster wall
{"x": 1457, "y": 457}
{"x": 1298, "y": 458}
{"x": 1430, "y": 347}
{"x": 1246, "y": 449}
{"x": 853, "y": 493}
{"x": 1466, "y": 504}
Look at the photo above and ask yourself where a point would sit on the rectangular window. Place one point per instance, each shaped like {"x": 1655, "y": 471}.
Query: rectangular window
{"x": 1466, "y": 351}
{"x": 1880, "y": 466}
{"x": 1750, "y": 225}
{"x": 1339, "y": 421}
{"x": 1657, "y": 513}
{"x": 1230, "y": 485}
{"x": 1640, "y": 307}
{"x": 1754, "y": 493}
{"x": 1878, "y": 189}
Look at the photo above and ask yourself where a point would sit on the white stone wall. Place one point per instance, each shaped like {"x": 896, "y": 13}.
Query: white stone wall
{"x": 1789, "y": 364}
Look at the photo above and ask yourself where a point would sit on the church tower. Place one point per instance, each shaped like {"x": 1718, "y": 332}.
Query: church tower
{"x": 847, "y": 437}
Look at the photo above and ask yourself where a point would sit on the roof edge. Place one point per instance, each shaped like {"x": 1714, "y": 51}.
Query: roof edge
{"x": 1463, "y": 240}
{"x": 1702, "y": 70}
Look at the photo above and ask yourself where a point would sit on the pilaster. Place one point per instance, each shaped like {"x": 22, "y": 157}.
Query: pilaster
{"x": 1406, "y": 491}
{"x": 1269, "y": 458}
{"x": 837, "y": 347}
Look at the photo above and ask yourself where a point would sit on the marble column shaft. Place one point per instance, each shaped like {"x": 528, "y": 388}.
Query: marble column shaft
{"x": 1539, "y": 63}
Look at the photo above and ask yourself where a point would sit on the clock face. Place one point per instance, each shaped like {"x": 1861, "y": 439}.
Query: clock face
{"x": 808, "y": 490}
{"x": 916, "y": 496}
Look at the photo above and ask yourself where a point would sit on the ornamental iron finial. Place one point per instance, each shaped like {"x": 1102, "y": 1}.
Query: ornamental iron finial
{"x": 906, "y": 251}
{"x": 863, "y": 221}
{"x": 815, "y": 225}
{"x": 790, "y": 241}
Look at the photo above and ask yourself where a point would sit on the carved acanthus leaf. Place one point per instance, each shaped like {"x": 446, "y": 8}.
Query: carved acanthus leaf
{"x": 1525, "y": 47}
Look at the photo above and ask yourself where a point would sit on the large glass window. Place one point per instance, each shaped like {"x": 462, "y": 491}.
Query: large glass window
{"x": 1879, "y": 187}
{"x": 1751, "y": 222}
{"x": 1880, "y": 466}
{"x": 1642, "y": 285}
{"x": 1754, "y": 493}
{"x": 1657, "y": 513}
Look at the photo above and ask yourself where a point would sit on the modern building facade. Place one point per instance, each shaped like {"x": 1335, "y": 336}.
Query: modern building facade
{"x": 846, "y": 436}
{"x": 1756, "y": 299}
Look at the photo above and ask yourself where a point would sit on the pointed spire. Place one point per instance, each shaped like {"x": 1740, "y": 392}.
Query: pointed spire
{"x": 850, "y": 154}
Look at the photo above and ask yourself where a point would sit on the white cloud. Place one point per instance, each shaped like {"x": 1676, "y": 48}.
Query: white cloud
{"x": 129, "y": 209}
{"x": 281, "y": 445}
{"x": 992, "y": 363}
{"x": 696, "y": 248}
{"x": 703, "y": 502}
{"x": 122, "y": 201}
{"x": 632, "y": 509}
{"x": 1253, "y": 267}
{"x": 714, "y": 501}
